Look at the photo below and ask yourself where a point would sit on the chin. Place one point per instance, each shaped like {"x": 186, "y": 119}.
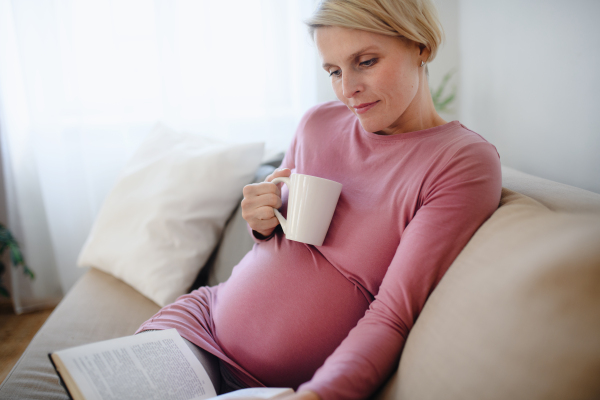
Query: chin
{"x": 371, "y": 126}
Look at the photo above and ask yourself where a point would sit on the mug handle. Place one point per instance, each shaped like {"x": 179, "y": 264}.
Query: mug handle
{"x": 280, "y": 217}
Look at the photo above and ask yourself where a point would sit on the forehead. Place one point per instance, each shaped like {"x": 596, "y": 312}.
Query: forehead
{"x": 336, "y": 44}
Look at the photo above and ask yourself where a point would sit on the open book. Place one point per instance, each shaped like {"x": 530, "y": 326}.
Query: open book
{"x": 155, "y": 365}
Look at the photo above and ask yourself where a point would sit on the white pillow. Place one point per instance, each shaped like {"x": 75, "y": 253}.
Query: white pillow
{"x": 161, "y": 221}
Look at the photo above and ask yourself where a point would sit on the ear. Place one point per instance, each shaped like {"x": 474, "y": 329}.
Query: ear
{"x": 424, "y": 51}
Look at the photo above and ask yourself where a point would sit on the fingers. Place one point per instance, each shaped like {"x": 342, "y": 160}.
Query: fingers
{"x": 280, "y": 172}
{"x": 262, "y": 194}
{"x": 259, "y": 204}
{"x": 261, "y": 219}
{"x": 259, "y": 201}
{"x": 267, "y": 224}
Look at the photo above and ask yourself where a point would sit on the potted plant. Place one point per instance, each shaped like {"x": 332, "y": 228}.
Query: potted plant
{"x": 7, "y": 241}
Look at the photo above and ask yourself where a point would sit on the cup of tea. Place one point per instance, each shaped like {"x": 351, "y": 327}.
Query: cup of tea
{"x": 311, "y": 203}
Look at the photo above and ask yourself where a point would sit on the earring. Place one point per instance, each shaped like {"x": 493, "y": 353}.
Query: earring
{"x": 422, "y": 63}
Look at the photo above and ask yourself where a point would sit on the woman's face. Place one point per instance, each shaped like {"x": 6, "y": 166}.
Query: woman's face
{"x": 378, "y": 77}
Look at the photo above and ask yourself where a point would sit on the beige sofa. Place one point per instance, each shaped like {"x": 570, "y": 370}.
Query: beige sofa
{"x": 517, "y": 316}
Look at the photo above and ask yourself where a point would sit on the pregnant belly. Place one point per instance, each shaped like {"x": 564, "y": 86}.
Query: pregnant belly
{"x": 284, "y": 311}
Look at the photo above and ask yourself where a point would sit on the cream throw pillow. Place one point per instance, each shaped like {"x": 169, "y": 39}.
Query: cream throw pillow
{"x": 163, "y": 218}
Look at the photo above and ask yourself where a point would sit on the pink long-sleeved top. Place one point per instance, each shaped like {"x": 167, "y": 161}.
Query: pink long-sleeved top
{"x": 334, "y": 318}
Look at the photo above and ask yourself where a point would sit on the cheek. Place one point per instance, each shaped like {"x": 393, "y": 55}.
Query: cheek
{"x": 401, "y": 87}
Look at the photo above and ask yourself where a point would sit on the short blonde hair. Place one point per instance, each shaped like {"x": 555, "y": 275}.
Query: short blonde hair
{"x": 416, "y": 20}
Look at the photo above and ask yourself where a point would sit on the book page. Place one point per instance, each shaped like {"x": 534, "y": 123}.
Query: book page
{"x": 155, "y": 365}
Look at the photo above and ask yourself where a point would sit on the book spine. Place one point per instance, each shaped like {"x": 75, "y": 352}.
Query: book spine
{"x": 62, "y": 383}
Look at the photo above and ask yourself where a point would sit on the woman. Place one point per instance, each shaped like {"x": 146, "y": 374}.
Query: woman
{"x": 332, "y": 320}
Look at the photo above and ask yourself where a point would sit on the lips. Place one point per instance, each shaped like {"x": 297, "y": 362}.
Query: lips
{"x": 364, "y": 107}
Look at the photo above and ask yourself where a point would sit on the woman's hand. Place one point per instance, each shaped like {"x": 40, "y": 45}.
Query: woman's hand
{"x": 259, "y": 201}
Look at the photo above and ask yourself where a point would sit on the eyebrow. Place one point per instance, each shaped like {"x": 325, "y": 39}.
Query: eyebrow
{"x": 353, "y": 55}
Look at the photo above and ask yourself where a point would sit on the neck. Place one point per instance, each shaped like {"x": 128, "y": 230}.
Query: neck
{"x": 421, "y": 113}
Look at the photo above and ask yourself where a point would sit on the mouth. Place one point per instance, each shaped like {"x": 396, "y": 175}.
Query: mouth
{"x": 364, "y": 107}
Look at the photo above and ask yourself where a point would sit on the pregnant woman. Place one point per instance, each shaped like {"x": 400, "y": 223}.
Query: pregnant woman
{"x": 331, "y": 321}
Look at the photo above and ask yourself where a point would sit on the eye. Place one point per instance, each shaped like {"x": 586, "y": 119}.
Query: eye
{"x": 337, "y": 73}
{"x": 369, "y": 63}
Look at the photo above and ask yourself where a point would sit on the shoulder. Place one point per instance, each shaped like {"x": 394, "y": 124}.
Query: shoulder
{"x": 479, "y": 148}
{"x": 464, "y": 155}
{"x": 463, "y": 144}
{"x": 459, "y": 136}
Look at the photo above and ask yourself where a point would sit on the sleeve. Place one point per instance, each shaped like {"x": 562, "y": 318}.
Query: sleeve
{"x": 463, "y": 194}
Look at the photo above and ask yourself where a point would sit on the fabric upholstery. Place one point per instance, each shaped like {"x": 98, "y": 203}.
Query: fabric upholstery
{"x": 161, "y": 221}
{"x": 556, "y": 196}
{"x": 517, "y": 316}
{"x": 235, "y": 242}
{"x": 98, "y": 307}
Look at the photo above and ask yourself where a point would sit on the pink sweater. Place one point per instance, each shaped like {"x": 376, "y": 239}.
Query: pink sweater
{"x": 409, "y": 204}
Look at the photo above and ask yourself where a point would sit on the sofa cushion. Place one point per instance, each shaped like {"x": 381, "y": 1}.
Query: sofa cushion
{"x": 517, "y": 315}
{"x": 98, "y": 307}
{"x": 163, "y": 218}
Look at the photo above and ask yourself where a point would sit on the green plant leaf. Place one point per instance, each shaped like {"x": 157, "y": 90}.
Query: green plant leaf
{"x": 436, "y": 95}
{"x": 444, "y": 104}
{"x": 16, "y": 257}
{"x": 442, "y": 86}
{"x": 28, "y": 272}
{"x": 4, "y": 291}
{"x": 15, "y": 254}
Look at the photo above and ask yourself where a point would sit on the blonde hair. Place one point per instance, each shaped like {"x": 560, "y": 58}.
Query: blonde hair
{"x": 416, "y": 20}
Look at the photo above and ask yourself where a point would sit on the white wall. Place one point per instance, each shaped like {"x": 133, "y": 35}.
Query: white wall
{"x": 448, "y": 57}
{"x": 530, "y": 84}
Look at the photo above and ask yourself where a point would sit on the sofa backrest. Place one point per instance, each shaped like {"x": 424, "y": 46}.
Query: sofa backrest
{"x": 517, "y": 315}
{"x": 235, "y": 240}
{"x": 555, "y": 196}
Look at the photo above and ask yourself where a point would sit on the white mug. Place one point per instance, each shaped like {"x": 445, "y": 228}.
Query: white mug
{"x": 311, "y": 203}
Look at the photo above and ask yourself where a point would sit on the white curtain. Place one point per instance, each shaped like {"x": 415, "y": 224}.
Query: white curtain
{"x": 82, "y": 82}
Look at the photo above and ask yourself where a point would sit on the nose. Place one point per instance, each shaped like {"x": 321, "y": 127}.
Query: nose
{"x": 351, "y": 84}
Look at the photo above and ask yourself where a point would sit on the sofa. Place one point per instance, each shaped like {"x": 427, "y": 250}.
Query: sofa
{"x": 517, "y": 315}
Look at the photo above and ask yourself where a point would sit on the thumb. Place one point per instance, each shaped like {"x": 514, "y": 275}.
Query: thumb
{"x": 278, "y": 173}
